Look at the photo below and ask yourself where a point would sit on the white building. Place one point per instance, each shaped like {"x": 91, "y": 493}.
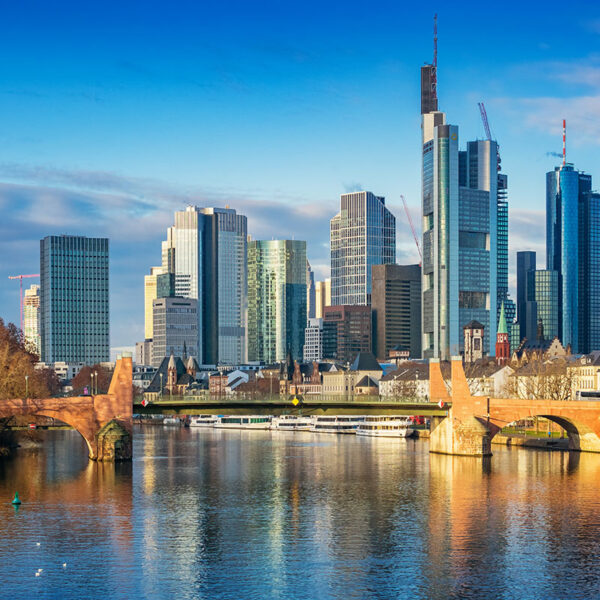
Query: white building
{"x": 313, "y": 341}
{"x": 31, "y": 317}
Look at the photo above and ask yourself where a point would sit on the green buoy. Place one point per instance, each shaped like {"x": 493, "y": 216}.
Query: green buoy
{"x": 17, "y": 500}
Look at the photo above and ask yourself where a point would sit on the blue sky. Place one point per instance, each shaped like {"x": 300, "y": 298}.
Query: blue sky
{"x": 116, "y": 114}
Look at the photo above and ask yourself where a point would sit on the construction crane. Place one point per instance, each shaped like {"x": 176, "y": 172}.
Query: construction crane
{"x": 488, "y": 133}
{"x": 412, "y": 228}
{"x": 20, "y": 278}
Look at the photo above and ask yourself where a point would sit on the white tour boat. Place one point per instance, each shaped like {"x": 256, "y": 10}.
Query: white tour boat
{"x": 291, "y": 423}
{"x": 203, "y": 421}
{"x": 171, "y": 421}
{"x": 386, "y": 426}
{"x": 336, "y": 424}
{"x": 243, "y": 422}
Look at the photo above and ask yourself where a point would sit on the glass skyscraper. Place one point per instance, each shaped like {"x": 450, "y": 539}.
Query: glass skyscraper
{"x": 363, "y": 234}
{"x": 565, "y": 189}
{"x": 277, "y": 299}
{"x": 74, "y": 304}
{"x": 210, "y": 265}
{"x": 526, "y": 306}
{"x": 546, "y": 285}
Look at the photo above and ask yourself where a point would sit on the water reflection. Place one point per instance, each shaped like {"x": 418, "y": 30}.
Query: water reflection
{"x": 220, "y": 514}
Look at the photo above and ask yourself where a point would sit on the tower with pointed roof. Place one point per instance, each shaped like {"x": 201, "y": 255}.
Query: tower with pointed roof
{"x": 502, "y": 343}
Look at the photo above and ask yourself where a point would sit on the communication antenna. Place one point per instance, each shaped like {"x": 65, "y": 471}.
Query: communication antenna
{"x": 564, "y": 142}
{"x": 434, "y": 70}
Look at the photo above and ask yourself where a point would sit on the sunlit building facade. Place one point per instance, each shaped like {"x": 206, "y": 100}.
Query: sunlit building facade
{"x": 74, "y": 302}
{"x": 362, "y": 234}
{"x": 175, "y": 328}
{"x": 277, "y": 299}
{"x": 31, "y": 318}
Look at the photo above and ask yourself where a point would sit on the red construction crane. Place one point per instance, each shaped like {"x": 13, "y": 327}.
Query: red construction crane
{"x": 412, "y": 227}
{"x": 20, "y": 278}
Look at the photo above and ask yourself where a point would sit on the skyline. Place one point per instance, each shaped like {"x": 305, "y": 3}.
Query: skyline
{"x": 266, "y": 127}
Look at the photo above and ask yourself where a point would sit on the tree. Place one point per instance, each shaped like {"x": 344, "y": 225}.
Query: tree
{"x": 83, "y": 380}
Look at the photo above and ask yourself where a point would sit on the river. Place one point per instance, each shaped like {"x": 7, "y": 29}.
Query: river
{"x": 237, "y": 514}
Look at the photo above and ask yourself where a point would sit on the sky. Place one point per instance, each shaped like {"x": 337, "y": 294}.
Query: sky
{"x": 116, "y": 114}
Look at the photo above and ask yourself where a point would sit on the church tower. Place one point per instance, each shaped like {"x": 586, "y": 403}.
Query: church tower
{"x": 502, "y": 344}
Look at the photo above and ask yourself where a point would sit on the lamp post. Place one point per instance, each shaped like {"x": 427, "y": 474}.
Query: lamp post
{"x": 96, "y": 380}
{"x": 161, "y": 385}
{"x": 92, "y": 384}
{"x": 26, "y": 386}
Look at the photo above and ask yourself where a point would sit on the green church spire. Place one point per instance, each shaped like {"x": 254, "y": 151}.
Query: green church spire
{"x": 502, "y": 321}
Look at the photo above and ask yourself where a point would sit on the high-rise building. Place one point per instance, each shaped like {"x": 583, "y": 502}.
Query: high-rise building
{"x": 346, "y": 332}
{"x": 313, "y": 340}
{"x": 74, "y": 304}
{"x": 311, "y": 292}
{"x": 31, "y": 318}
{"x": 150, "y": 295}
{"x": 322, "y": 297}
{"x": 175, "y": 328}
{"x": 589, "y": 272}
{"x": 526, "y": 306}
{"x": 276, "y": 299}
{"x": 546, "y": 284}
{"x": 396, "y": 304}
{"x": 210, "y": 264}
{"x": 363, "y": 234}
{"x": 566, "y": 188}
{"x": 465, "y": 212}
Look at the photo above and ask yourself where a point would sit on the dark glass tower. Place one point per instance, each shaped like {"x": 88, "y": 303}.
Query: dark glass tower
{"x": 527, "y": 311}
{"x": 74, "y": 308}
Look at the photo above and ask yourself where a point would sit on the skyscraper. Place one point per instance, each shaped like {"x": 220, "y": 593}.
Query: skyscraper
{"x": 276, "y": 299}
{"x": 311, "y": 295}
{"x": 175, "y": 328}
{"x": 322, "y": 297}
{"x": 363, "y": 234}
{"x": 74, "y": 304}
{"x": 396, "y": 304}
{"x": 566, "y": 188}
{"x": 31, "y": 317}
{"x": 150, "y": 295}
{"x": 526, "y": 306}
{"x": 346, "y": 332}
{"x": 546, "y": 286}
{"x": 465, "y": 233}
{"x": 589, "y": 272}
{"x": 210, "y": 265}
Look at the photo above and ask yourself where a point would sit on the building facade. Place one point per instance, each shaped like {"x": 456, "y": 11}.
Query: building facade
{"x": 311, "y": 293}
{"x": 322, "y": 297}
{"x": 526, "y": 306}
{"x": 363, "y": 234}
{"x": 31, "y": 318}
{"x": 276, "y": 299}
{"x": 396, "y": 305}
{"x": 74, "y": 302}
{"x": 565, "y": 189}
{"x": 346, "y": 332}
{"x": 313, "y": 341}
{"x": 209, "y": 249}
{"x": 175, "y": 328}
{"x": 546, "y": 285}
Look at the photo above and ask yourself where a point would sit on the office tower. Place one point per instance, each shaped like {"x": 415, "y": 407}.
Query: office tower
{"x": 526, "y": 307}
{"x": 589, "y": 272}
{"x": 464, "y": 212}
{"x": 346, "y": 332}
{"x": 313, "y": 340}
{"x": 546, "y": 284}
{"x": 276, "y": 299}
{"x": 175, "y": 328}
{"x": 565, "y": 189}
{"x": 74, "y": 304}
{"x": 150, "y": 295}
{"x": 210, "y": 256}
{"x": 322, "y": 297}
{"x": 311, "y": 294}
{"x": 363, "y": 234}
{"x": 396, "y": 305}
{"x": 31, "y": 318}
{"x": 143, "y": 352}
{"x": 473, "y": 341}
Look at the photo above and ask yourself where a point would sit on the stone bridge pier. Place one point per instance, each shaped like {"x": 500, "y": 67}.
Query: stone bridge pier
{"x": 104, "y": 421}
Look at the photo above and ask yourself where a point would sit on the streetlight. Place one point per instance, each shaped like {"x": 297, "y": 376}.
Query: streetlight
{"x": 96, "y": 380}
{"x": 161, "y": 385}
{"x": 26, "y": 386}
{"x": 92, "y": 384}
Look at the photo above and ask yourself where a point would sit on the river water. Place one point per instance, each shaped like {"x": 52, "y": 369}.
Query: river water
{"x": 236, "y": 514}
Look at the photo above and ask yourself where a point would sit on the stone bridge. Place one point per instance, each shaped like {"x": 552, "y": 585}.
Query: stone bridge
{"x": 104, "y": 421}
{"x": 473, "y": 421}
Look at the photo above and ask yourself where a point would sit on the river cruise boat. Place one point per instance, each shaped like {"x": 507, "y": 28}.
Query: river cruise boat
{"x": 385, "y": 426}
{"x": 243, "y": 422}
{"x": 171, "y": 421}
{"x": 203, "y": 421}
{"x": 291, "y": 423}
{"x": 336, "y": 424}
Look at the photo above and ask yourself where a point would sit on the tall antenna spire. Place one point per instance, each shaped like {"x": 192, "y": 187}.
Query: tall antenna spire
{"x": 564, "y": 142}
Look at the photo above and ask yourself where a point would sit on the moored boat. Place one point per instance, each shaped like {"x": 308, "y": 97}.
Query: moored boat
{"x": 203, "y": 421}
{"x": 336, "y": 423}
{"x": 386, "y": 426}
{"x": 171, "y": 421}
{"x": 291, "y": 423}
{"x": 243, "y": 422}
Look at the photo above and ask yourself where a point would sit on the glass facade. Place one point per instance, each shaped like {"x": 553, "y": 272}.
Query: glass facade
{"x": 526, "y": 263}
{"x": 565, "y": 188}
{"x": 589, "y": 272}
{"x": 175, "y": 328}
{"x": 74, "y": 303}
{"x": 547, "y": 299}
{"x": 363, "y": 234}
{"x": 277, "y": 299}
{"x": 210, "y": 264}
